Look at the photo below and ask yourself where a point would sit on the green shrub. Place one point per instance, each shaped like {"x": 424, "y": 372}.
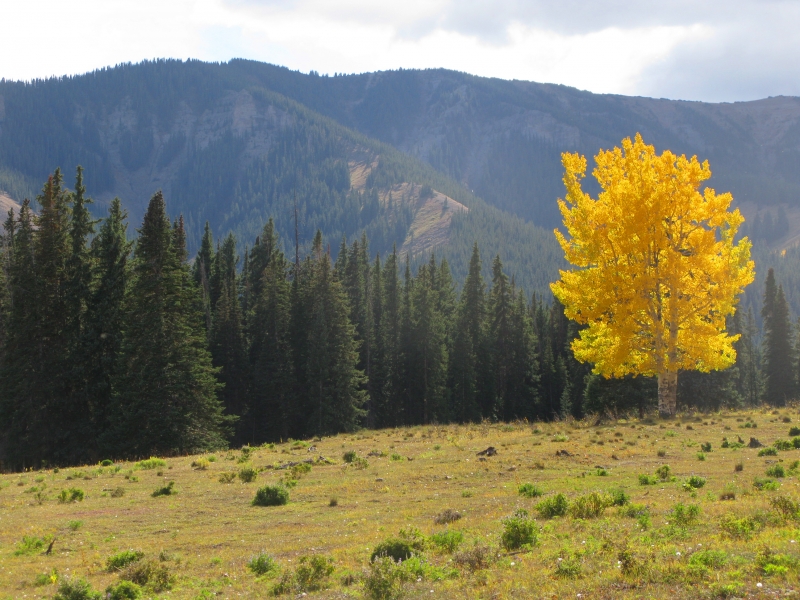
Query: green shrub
{"x": 76, "y": 589}
{"x": 271, "y": 495}
{"x": 683, "y": 515}
{"x": 385, "y": 579}
{"x": 46, "y": 578}
{"x": 106, "y": 463}
{"x": 568, "y": 567}
{"x": 782, "y": 445}
{"x": 741, "y": 528}
{"x": 155, "y": 575}
{"x": 768, "y": 451}
{"x": 705, "y": 446}
{"x": 167, "y": 490}
{"x": 765, "y": 484}
{"x": 75, "y": 525}
{"x": 695, "y": 482}
{"x": 727, "y": 590}
{"x": 448, "y": 540}
{"x": 711, "y": 559}
{"x": 647, "y": 479}
{"x": 262, "y": 564}
{"x": 530, "y": 490}
{"x": 227, "y": 477}
{"x": 796, "y": 442}
{"x": 772, "y": 564}
{"x": 151, "y": 463}
{"x": 589, "y": 506}
{"x": 31, "y": 545}
{"x": 123, "y": 590}
{"x": 71, "y": 495}
{"x": 248, "y": 474}
{"x": 349, "y": 456}
{"x": 201, "y": 464}
{"x": 396, "y": 549}
{"x": 701, "y": 456}
{"x": 310, "y": 575}
{"x": 776, "y": 471}
{"x": 519, "y": 531}
{"x": 120, "y": 560}
{"x": 618, "y": 497}
{"x": 299, "y": 470}
{"x": 395, "y": 456}
{"x": 554, "y": 506}
{"x": 786, "y": 507}
{"x": 663, "y": 472}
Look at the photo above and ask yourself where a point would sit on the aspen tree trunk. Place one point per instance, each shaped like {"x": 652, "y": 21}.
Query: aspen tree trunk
{"x": 667, "y": 393}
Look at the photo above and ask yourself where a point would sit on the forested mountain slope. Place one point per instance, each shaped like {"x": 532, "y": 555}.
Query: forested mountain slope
{"x": 234, "y": 142}
{"x": 227, "y": 150}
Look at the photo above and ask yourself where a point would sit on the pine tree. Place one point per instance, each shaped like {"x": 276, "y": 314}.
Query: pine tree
{"x": 21, "y": 412}
{"x": 167, "y": 395}
{"x": 778, "y": 369}
{"x": 499, "y": 333}
{"x": 466, "y": 367}
{"x": 333, "y": 382}
{"x": 103, "y": 334}
{"x": 228, "y": 347}
{"x": 389, "y": 330}
{"x": 201, "y": 272}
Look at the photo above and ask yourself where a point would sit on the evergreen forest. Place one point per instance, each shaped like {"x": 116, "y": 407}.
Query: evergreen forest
{"x": 115, "y": 343}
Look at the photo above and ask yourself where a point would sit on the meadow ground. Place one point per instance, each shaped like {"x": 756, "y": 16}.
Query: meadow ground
{"x": 648, "y": 532}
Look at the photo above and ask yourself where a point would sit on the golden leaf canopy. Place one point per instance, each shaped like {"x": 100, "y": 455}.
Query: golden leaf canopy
{"x": 657, "y": 267}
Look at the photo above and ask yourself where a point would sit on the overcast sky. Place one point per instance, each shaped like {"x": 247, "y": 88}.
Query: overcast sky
{"x": 713, "y": 50}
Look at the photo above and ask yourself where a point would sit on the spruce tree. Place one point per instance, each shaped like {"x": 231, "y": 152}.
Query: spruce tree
{"x": 105, "y": 318}
{"x": 334, "y": 397}
{"x": 166, "y": 398}
{"x": 228, "y": 347}
{"x": 779, "y": 386}
{"x": 201, "y": 272}
{"x": 469, "y": 345}
{"x": 389, "y": 331}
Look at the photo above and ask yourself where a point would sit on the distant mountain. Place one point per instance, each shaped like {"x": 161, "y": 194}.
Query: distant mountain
{"x": 424, "y": 159}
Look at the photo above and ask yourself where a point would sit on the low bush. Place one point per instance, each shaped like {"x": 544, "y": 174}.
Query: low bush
{"x": 739, "y": 528}
{"x": 683, "y": 515}
{"x": 664, "y": 472}
{"x": 448, "y": 540}
{"x": 384, "y": 580}
{"x": 633, "y": 511}
{"x": 765, "y": 484}
{"x": 31, "y": 544}
{"x": 227, "y": 477}
{"x": 349, "y": 456}
{"x": 71, "y": 495}
{"x": 151, "y": 463}
{"x": 311, "y": 574}
{"x": 782, "y": 445}
{"x": 568, "y": 566}
{"x": 120, "y": 560}
{"x": 447, "y": 516}
{"x": 123, "y": 590}
{"x": 167, "y": 490}
{"x": 271, "y": 495}
{"x": 776, "y": 471}
{"x": 519, "y": 532}
{"x": 476, "y": 558}
{"x": 530, "y": 490}
{"x": 694, "y": 482}
{"x": 647, "y": 479}
{"x": 554, "y": 506}
{"x": 768, "y": 451}
{"x": 395, "y": 548}
{"x": 711, "y": 559}
{"x": 590, "y": 506}
{"x": 786, "y": 507}
{"x": 156, "y": 575}
{"x": 201, "y": 464}
{"x": 248, "y": 474}
{"x": 618, "y": 497}
{"x": 76, "y": 589}
{"x": 262, "y": 564}
{"x": 794, "y": 431}
{"x": 106, "y": 463}
{"x": 705, "y": 446}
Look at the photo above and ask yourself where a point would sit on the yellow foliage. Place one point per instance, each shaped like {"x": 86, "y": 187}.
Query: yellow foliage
{"x": 658, "y": 269}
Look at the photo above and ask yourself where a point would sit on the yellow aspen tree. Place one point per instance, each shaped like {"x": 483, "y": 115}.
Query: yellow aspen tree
{"x": 657, "y": 270}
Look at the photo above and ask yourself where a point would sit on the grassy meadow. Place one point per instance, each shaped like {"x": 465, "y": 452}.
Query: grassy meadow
{"x": 719, "y": 522}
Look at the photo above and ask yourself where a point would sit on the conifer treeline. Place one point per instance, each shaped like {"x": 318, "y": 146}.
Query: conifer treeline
{"x": 110, "y": 348}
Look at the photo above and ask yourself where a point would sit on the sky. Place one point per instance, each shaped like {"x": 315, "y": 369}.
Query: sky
{"x": 710, "y": 50}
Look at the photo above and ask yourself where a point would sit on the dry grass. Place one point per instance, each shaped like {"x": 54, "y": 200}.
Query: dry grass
{"x": 208, "y": 531}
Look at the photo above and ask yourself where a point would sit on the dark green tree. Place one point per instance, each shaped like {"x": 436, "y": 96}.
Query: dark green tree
{"x": 779, "y": 383}
{"x": 166, "y": 398}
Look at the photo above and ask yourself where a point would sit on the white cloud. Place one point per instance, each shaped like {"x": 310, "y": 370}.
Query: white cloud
{"x": 714, "y": 50}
